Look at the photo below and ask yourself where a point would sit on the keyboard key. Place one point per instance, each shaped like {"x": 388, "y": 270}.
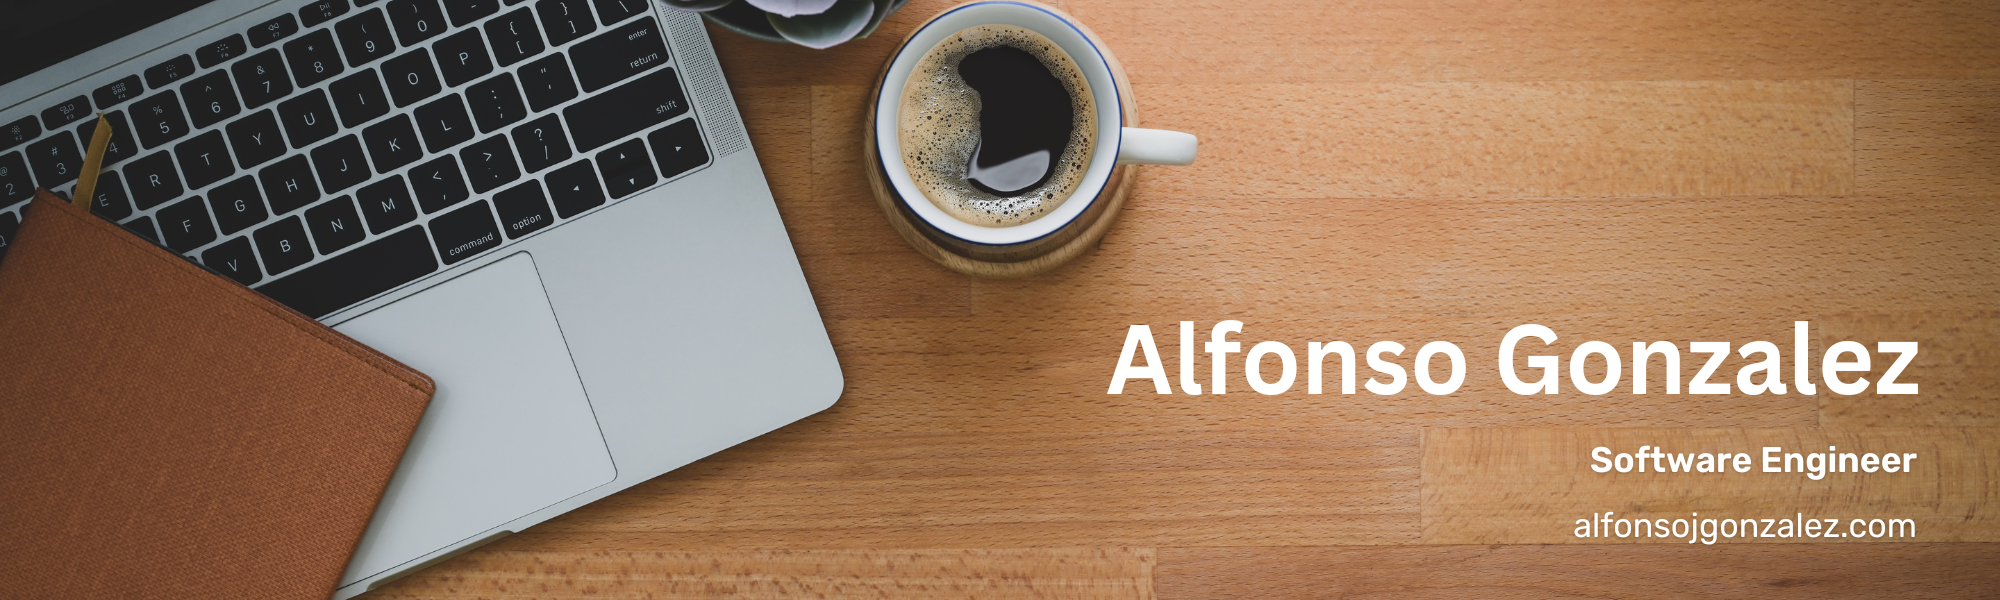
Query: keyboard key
{"x": 522, "y": 209}
{"x": 204, "y": 160}
{"x": 677, "y": 148}
{"x": 69, "y": 111}
{"x": 565, "y": 20}
{"x": 262, "y": 78}
{"x": 166, "y": 73}
{"x": 462, "y": 233}
{"x": 210, "y": 99}
{"x": 467, "y": 11}
{"x": 392, "y": 143}
{"x": 263, "y": 34}
{"x": 444, "y": 123}
{"x": 635, "y": 105}
{"x": 410, "y": 77}
{"x": 438, "y": 185}
{"x": 19, "y": 132}
{"x": 221, "y": 50}
{"x": 489, "y": 164}
{"x": 185, "y": 225}
{"x": 157, "y": 119}
{"x": 15, "y": 186}
{"x": 288, "y": 184}
{"x": 334, "y": 225}
{"x": 322, "y": 11}
{"x": 109, "y": 200}
{"x": 365, "y": 37}
{"x": 574, "y": 189}
{"x": 615, "y": 55}
{"x": 416, "y": 20}
{"x": 386, "y": 204}
{"x": 307, "y": 118}
{"x": 8, "y": 225}
{"x": 462, "y": 57}
{"x": 256, "y": 138}
{"x": 237, "y": 205}
{"x": 340, "y": 164}
{"x": 153, "y": 180}
{"x": 121, "y": 146}
{"x": 359, "y": 98}
{"x": 117, "y": 92}
{"x": 540, "y": 143}
{"x": 626, "y": 168}
{"x": 313, "y": 58}
{"x": 547, "y": 82}
{"x": 357, "y": 275}
{"x": 283, "y": 245}
{"x": 55, "y": 159}
{"x": 144, "y": 227}
{"x": 613, "y": 11}
{"x": 495, "y": 102}
{"x": 514, "y": 37}
{"x": 233, "y": 260}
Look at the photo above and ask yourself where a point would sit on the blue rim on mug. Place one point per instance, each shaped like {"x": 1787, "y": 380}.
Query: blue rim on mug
{"x": 1092, "y": 184}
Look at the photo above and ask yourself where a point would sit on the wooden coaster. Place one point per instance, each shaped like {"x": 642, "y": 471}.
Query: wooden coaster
{"x": 967, "y": 258}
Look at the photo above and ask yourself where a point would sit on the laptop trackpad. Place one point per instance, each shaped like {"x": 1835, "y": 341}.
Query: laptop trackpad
{"x": 509, "y": 432}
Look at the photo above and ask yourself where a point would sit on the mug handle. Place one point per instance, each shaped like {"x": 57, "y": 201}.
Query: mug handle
{"x": 1155, "y": 147}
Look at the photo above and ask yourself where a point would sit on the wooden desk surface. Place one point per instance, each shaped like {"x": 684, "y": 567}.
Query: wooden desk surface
{"x": 1618, "y": 170}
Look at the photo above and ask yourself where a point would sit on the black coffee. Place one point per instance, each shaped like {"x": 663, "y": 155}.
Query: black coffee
{"x": 997, "y": 125}
{"x": 1024, "y": 119}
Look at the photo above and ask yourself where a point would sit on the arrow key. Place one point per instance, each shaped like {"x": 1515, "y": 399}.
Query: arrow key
{"x": 679, "y": 148}
{"x": 626, "y": 168}
{"x": 574, "y": 189}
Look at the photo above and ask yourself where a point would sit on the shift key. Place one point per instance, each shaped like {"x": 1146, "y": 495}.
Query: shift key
{"x": 624, "y": 110}
{"x": 617, "y": 54}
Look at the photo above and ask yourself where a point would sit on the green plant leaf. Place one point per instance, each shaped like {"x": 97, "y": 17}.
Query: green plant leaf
{"x": 882, "y": 10}
{"x": 746, "y": 20}
{"x": 827, "y": 29}
{"x": 793, "y": 8}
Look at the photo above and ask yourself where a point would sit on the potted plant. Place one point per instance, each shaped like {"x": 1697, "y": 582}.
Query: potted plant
{"x": 816, "y": 24}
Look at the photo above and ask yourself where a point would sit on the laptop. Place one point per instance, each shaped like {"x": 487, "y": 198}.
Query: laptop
{"x": 550, "y": 206}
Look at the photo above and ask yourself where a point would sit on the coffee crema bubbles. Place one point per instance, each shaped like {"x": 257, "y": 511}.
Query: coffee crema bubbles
{"x": 997, "y": 125}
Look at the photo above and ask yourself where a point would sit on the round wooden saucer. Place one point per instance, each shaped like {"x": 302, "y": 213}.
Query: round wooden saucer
{"x": 1027, "y": 259}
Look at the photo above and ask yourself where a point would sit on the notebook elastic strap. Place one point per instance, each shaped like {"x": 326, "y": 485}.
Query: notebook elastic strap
{"x": 93, "y": 161}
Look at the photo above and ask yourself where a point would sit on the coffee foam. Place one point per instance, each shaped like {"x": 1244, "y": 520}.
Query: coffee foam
{"x": 939, "y": 129}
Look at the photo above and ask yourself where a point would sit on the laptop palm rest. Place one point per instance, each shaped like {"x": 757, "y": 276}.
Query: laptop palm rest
{"x": 509, "y": 431}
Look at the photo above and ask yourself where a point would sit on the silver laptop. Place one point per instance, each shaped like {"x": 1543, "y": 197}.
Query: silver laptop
{"x": 550, "y": 206}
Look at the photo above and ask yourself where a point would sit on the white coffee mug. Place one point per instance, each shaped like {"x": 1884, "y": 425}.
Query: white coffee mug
{"x": 1043, "y": 243}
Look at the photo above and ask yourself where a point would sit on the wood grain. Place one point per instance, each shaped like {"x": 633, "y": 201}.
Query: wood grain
{"x": 1372, "y": 170}
{"x": 1508, "y": 139}
{"x": 1957, "y": 383}
{"x": 1284, "y": 41}
{"x": 1791, "y": 258}
{"x": 1680, "y": 571}
{"x": 1928, "y": 137}
{"x": 644, "y": 566}
{"x": 972, "y": 489}
{"x": 1386, "y": 40}
{"x": 1529, "y": 486}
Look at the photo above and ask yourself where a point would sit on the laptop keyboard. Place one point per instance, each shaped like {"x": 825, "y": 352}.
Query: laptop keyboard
{"x": 341, "y": 150}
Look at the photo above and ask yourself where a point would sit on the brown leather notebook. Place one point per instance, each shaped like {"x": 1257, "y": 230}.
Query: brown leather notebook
{"x": 168, "y": 433}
